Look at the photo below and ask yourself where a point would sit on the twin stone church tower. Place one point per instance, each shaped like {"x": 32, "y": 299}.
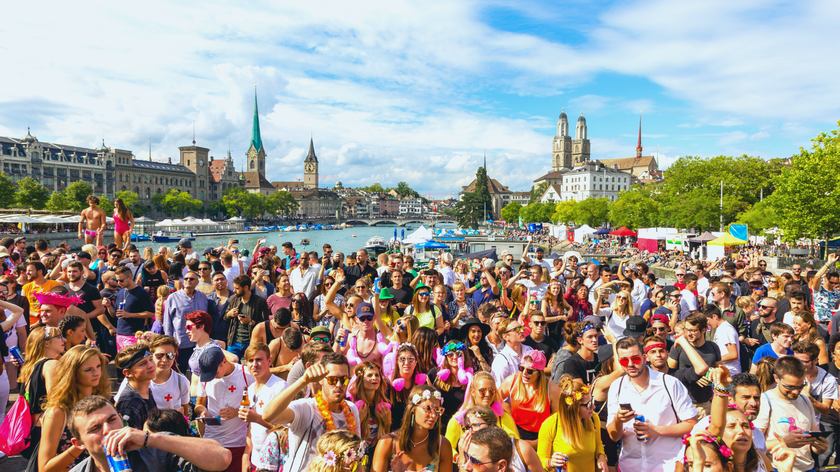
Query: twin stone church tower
{"x": 568, "y": 153}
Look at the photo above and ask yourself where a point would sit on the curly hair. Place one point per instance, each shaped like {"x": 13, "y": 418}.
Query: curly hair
{"x": 338, "y": 443}
{"x": 65, "y": 393}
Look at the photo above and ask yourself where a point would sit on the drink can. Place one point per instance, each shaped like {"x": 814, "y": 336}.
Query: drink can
{"x": 122, "y": 305}
{"x": 15, "y": 353}
{"x": 343, "y": 341}
{"x": 376, "y": 283}
{"x": 640, "y": 419}
{"x": 118, "y": 463}
{"x": 564, "y": 467}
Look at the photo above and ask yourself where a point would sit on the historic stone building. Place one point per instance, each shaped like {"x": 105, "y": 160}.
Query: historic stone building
{"x": 500, "y": 195}
{"x": 567, "y": 152}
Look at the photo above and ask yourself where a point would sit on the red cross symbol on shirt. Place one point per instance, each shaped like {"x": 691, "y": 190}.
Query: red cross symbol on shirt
{"x": 168, "y": 398}
{"x": 232, "y": 388}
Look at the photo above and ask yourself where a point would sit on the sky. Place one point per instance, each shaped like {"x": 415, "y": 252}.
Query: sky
{"x": 418, "y": 91}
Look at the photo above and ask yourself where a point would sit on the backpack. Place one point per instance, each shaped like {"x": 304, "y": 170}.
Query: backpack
{"x": 16, "y": 428}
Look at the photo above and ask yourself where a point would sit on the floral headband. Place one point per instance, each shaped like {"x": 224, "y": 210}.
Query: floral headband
{"x": 352, "y": 455}
{"x": 577, "y": 395}
{"x": 453, "y": 347}
{"x": 715, "y": 441}
{"x": 426, "y": 395}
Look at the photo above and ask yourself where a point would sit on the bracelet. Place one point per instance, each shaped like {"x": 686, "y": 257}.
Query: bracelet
{"x": 721, "y": 394}
{"x": 146, "y": 441}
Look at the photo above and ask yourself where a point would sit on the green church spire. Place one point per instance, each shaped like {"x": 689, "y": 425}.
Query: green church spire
{"x": 256, "y": 140}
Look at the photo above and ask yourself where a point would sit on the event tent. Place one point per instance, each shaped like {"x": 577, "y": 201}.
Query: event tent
{"x": 420, "y": 235}
{"x": 726, "y": 240}
{"x": 623, "y": 231}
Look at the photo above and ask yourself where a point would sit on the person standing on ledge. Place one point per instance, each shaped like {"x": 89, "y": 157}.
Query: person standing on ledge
{"x": 93, "y": 221}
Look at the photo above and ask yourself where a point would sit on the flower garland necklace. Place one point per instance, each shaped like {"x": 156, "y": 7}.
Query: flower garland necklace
{"x": 327, "y": 415}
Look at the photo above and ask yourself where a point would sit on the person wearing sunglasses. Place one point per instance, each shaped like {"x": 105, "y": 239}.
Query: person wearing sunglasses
{"x": 571, "y": 437}
{"x": 532, "y": 396}
{"x": 507, "y": 360}
{"x": 537, "y": 339}
{"x": 490, "y": 450}
{"x": 309, "y": 418}
{"x": 655, "y": 444}
{"x": 176, "y": 308}
{"x": 789, "y": 399}
{"x": 417, "y": 442}
{"x": 482, "y": 392}
{"x": 478, "y": 418}
{"x": 421, "y": 306}
{"x": 451, "y": 376}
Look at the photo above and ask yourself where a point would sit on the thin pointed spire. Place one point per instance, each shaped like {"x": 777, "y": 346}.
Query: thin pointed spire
{"x": 639, "y": 146}
{"x": 193, "y": 133}
{"x": 310, "y": 156}
{"x": 256, "y": 138}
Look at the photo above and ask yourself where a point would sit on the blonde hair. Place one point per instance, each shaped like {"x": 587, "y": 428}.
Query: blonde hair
{"x": 148, "y": 253}
{"x": 520, "y": 393}
{"x": 36, "y": 347}
{"x": 339, "y": 443}
{"x": 468, "y": 397}
{"x": 744, "y": 301}
{"x": 163, "y": 291}
{"x": 91, "y": 250}
{"x": 65, "y": 393}
{"x": 458, "y": 284}
{"x": 516, "y": 294}
{"x": 571, "y": 426}
{"x": 628, "y": 307}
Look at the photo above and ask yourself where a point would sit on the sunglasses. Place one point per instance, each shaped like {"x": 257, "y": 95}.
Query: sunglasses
{"x": 765, "y": 307}
{"x": 432, "y": 410}
{"x": 627, "y": 360}
{"x": 203, "y": 268}
{"x": 526, "y": 370}
{"x": 487, "y": 392}
{"x": 407, "y": 360}
{"x": 324, "y": 339}
{"x": 663, "y": 329}
{"x": 794, "y": 387}
{"x": 189, "y": 278}
{"x": 475, "y": 462}
{"x": 190, "y": 327}
{"x": 518, "y": 329}
{"x": 350, "y": 305}
{"x": 454, "y": 354}
{"x": 423, "y": 294}
{"x": 103, "y": 252}
{"x": 539, "y": 323}
{"x": 366, "y": 318}
{"x": 168, "y": 355}
{"x": 339, "y": 380}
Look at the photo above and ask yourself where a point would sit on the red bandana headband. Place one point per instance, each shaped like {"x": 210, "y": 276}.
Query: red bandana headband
{"x": 654, "y": 346}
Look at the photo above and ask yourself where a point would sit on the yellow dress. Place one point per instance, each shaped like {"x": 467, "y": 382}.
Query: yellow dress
{"x": 454, "y": 432}
{"x": 583, "y": 459}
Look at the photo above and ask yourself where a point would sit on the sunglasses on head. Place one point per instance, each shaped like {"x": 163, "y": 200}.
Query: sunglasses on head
{"x": 627, "y": 360}
{"x": 339, "y": 380}
{"x": 168, "y": 355}
{"x": 324, "y": 339}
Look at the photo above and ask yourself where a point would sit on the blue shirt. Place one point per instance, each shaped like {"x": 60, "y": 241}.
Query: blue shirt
{"x": 766, "y": 350}
{"x": 484, "y": 295}
{"x": 137, "y": 300}
{"x": 177, "y": 306}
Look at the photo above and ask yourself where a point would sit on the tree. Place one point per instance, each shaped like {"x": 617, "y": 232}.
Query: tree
{"x": 510, "y": 212}
{"x": 564, "y": 212}
{"x": 807, "y": 196}
{"x": 243, "y": 203}
{"x": 469, "y": 212}
{"x": 31, "y": 194}
{"x": 7, "y": 191}
{"x": 281, "y": 203}
{"x": 157, "y": 201}
{"x": 634, "y": 208}
{"x": 77, "y": 194}
{"x": 375, "y": 188}
{"x": 404, "y": 190}
{"x": 537, "y": 192}
{"x": 181, "y": 203}
{"x": 58, "y": 203}
{"x": 537, "y": 212}
{"x": 592, "y": 211}
{"x": 215, "y": 209}
{"x": 106, "y": 204}
{"x": 759, "y": 217}
{"x": 132, "y": 201}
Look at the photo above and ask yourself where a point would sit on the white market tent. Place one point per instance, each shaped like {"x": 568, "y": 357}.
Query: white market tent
{"x": 419, "y": 236}
{"x": 584, "y": 230}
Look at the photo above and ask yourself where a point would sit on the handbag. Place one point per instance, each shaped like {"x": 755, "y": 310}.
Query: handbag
{"x": 15, "y": 432}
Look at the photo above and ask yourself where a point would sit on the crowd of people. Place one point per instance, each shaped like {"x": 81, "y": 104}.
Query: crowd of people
{"x": 270, "y": 359}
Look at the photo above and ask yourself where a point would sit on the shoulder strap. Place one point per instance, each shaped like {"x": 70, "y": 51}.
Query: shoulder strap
{"x": 770, "y": 404}
{"x": 671, "y": 400}
{"x": 245, "y": 379}
{"x": 518, "y": 451}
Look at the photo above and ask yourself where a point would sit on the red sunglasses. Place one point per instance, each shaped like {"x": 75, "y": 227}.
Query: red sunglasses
{"x": 626, "y": 361}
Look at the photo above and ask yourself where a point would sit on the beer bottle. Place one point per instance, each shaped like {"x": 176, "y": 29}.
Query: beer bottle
{"x": 245, "y": 401}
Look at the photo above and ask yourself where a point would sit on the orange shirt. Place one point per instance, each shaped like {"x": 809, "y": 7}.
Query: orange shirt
{"x": 29, "y": 291}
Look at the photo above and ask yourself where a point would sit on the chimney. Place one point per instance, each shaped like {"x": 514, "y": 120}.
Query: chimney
{"x": 170, "y": 160}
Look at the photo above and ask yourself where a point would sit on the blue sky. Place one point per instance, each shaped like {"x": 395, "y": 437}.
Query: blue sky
{"x": 416, "y": 91}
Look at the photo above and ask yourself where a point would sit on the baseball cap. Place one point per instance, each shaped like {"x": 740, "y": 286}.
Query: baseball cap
{"x": 209, "y": 362}
{"x": 83, "y": 255}
{"x": 320, "y": 330}
{"x": 364, "y": 308}
{"x": 4, "y": 252}
{"x": 593, "y": 320}
{"x": 185, "y": 243}
{"x": 670, "y": 289}
{"x": 537, "y": 359}
{"x": 22, "y": 238}
{"x": 539, "y": 249}
{"x": 635, "y": 327}
{"x": 210, "y": 250}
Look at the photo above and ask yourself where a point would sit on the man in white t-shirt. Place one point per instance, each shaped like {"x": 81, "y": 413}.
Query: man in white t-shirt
{"x": 185, "y": 246}
{"x": 702, "y": 281}
{"x": 266, "y": 387}
{"x": 688, "y": 304}
{"x": 304, "y": 419}
{"x": 822, "y": 387}
{"x": 534, "y": 282}
{"x": 231, "y": 267}
{"x": 446, "y": 269}
{"x": 539, "y": 253}
{"x": 726, "y": 339}
{"x": 221, "y": 386}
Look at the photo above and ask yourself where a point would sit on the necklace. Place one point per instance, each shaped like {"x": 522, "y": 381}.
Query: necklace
{"x": 415, "y": 444}
{"x": 327, "y": 415}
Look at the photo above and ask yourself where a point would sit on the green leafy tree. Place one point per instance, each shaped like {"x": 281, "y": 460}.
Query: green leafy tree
{"x": 376, "y": 188}
{"x": 31, "y": 194}
{"x": 635, "y": 208}
{"x": 58, "y": 202}
{"x": 157, "y": 201}
{"x": 281, "y": 203}
{"x": 7, "y": 191}
{"x": 537, "y": 212}
{"x": 537, "y": 192}
{"x": 564, "y": 212}
{"x": 807, "y": 196}
{"x": 510, "y": 212}
{"x": 106, "y": 204}
{"x": 404, "y": 190}
{"x": 759, "y": 218}
{"x": 132, "y": 201}
{"x": 592, "y": 211}
{"x": 475, "y": 206}
{"x": 181, "y": 203}
{"x": 243, "y": 203}
{"x": 216, "y": 209}
{"x": 77, "y": 194}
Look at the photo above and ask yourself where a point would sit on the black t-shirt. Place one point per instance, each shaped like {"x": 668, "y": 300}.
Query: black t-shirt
{"x": 89, "y": 294}
{"x": 110, "y": 295}
{"x": 401, "y": 296}
{"x": 580, "y": 368}
{"x": 452, "y": 398}
{"x": 136, "y": 300}
{"x": 755, "y": 332}
{"x": 217, "y": 266}
{"x": 710, "y": 352}
{"x": 355, "y": 272}
{"x": 547, "y": 345}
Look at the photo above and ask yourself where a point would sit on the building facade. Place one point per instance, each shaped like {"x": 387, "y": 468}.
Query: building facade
{"x": 594, "y": 180}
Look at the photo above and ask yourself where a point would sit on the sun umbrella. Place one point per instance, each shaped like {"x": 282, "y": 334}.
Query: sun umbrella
{"x": 54, "y": 220}
{"x": 703, "y": 238}
{"x": 21, "y": 219}
{"x": 726, "y": 240}
{"x": 431, "y": 245}
{"x": 602, "y": 231}
{"x": 623, "y": 231}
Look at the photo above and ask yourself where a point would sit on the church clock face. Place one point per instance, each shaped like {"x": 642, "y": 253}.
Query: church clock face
{"x": 201, "y": 162}
{"x": 310, "y": 167}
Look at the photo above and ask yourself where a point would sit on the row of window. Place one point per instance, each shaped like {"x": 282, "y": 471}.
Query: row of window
{"x": 600, "y": 187}
{"x": 596, "y": 179}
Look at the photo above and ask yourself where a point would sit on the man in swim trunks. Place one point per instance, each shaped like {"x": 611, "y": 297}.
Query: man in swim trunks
{"x": 93, "y": 220}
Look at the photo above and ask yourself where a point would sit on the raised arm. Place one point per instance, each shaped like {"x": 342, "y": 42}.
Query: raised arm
{"x": 817, "y": 280}
{"x": 277, "y": 410}
{"x": 494, "y": 287}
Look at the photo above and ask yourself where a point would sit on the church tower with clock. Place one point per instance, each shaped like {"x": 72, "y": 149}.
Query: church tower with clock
{"x": 256, "y": 152}
{"x": 310, "y": 168}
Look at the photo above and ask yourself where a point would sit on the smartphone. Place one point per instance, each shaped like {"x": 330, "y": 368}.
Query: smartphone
{"x": 210, "y": 421}
{"x": 625, "y": 406}
{"x": 235, "y": 241}
{"x": 527, "y": 273}
{"x": 817, "y": 434}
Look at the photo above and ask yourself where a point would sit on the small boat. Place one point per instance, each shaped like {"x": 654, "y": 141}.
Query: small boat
{"x": 140, "y": 237}
{"x": 171, "y": 236}
{"x": 376, "y": 245}
{"x": 353, "y": 236}
{"x": 304, "y": 242}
